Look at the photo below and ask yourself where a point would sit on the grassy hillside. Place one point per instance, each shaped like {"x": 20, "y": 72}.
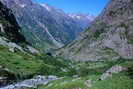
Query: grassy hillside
{"x": 26, "y": 65}
{"x": 121, "y": 80}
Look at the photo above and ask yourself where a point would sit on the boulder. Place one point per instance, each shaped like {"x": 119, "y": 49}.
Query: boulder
{"x": 88, "y": 83}
{"x": 113, "y": 70}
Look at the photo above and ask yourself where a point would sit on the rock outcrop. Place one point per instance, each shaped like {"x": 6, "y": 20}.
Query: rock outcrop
{"x": 31, "y": 83}
{"x": 12, "y": 39}
{"x": 8, "y": 25}
{"x": 10, "y": 32}
{"x": 109, "y": 37}
{"x": 113, "y": 70}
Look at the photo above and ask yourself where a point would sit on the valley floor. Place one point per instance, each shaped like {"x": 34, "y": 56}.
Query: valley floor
{"x": 121, "y": 80}
{"x": 19, "y": 66}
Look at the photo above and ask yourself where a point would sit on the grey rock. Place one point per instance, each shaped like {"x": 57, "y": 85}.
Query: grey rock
{"x": 12, "y": 46}
{"x": 31, "y": 83}
{"x": 1, "y": 28}
{"x": 88, "y": 83}
{"x": 113, "y": 70}
{"x": 108, "y": 38}
{"x": 32, "y": 50}
{"x": 51, "y": 77}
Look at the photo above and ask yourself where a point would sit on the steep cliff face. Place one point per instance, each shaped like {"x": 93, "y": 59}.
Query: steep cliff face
{"x": 11, "y": 42}
{"x": 45, "y": 26}
{"x": 8, "y": 25}
{"x": 109, "y": 37}
{"x": 10, "y": 33}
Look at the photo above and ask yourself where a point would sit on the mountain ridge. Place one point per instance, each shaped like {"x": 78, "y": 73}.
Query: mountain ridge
{"x": 56, "y": 24}
{"x": 108, "y": 38}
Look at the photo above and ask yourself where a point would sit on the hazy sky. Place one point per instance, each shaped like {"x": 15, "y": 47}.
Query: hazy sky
{"x": 72, "y": 6}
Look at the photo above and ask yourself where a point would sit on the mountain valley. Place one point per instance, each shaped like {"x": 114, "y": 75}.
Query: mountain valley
{"x": 88, "y": 52}
{"x": 51, "y": 28}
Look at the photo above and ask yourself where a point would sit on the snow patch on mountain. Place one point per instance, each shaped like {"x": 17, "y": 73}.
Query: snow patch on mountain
{"x": 22, "y": 5}
{"x": 82, "y": 16}
{"x": 46, "y": 7}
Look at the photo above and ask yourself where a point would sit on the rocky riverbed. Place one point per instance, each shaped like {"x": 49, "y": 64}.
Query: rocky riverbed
{"x": 31, "y": 83}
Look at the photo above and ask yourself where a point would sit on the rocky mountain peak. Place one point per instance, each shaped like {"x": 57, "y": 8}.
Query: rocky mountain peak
{"x": 82, "y": 16}
{"x": 21, "y": 3}
{"x": 44, "y": 25}
{"x": 46, "y": 6}
{"x": 109, "y": 37}
{"x": 117, "y": 10}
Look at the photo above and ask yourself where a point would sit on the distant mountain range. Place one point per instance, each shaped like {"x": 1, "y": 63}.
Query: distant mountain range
{"x": 47, "y": 27}
{"x": 82, "y": 19}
